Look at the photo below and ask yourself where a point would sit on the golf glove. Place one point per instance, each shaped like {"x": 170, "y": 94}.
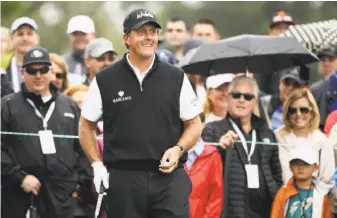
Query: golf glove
{"x": 100, "y": 175}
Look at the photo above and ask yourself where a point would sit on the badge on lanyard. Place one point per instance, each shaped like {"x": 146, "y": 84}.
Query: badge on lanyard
{"x": 252, "y": 170}
{"x": 47, "y": 142}
{"x": 46, "y": 136}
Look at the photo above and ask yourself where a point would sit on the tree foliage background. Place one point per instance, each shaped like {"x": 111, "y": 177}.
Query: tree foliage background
{"x": 231, "y": 18}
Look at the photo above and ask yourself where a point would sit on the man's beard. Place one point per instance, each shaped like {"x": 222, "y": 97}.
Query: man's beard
{"x": 78, "y": 52}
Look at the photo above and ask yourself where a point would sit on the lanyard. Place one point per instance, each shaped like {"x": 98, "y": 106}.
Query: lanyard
{"x": 15, "y": 79}
{"x": 243, "y": 140}
{"x": 48, "y": 115}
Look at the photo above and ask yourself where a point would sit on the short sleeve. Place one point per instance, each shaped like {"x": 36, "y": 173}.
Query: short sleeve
{"x": 190, "y": 106}
{"x": 92, "y": 106}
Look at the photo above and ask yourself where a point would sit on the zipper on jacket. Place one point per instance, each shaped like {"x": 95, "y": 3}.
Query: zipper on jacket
{"x": 141, "y": 83}
{"x": 153, "y": 67}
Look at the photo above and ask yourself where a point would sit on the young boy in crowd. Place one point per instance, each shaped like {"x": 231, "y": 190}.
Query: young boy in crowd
{"x": 303, "y": 196}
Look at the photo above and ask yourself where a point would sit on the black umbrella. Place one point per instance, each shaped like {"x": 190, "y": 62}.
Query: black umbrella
{"x": 243, "y": 53}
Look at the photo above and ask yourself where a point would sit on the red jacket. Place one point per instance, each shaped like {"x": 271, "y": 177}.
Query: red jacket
{"x": 206, "y": 174}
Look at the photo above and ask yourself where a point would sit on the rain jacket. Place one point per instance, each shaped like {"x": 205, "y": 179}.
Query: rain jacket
{"x": 321, "y": 202}
{"x": 236, "y": 199}
{"x": 206, "y": 198}
{"x": 60, "y": 173}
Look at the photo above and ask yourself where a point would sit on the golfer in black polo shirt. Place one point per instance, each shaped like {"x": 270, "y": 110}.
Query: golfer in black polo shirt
{"x": 150, "y": 115}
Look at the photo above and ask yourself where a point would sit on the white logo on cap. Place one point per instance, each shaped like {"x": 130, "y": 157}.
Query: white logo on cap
{"x": 144, "y": 14}
{"x": 36, "y": 54}
{"x": 121, "y": 93}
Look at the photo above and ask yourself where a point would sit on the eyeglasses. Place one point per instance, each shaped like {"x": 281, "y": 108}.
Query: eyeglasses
{"x": 33, "y": 71}
{"x": 60, "y": 75}
{"x": 247, "y": 96}
{"x": 303, "y": 110}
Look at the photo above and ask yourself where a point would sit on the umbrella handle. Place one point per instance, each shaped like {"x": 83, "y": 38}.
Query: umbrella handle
{"x": 247, "y": 72}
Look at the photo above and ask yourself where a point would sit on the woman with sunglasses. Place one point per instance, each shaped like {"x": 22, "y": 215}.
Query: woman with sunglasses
{"x": 60, "y": 71}
{"x": 301, "y": 126}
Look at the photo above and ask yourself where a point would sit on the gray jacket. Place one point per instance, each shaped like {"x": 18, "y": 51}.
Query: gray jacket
{"x": 72, "y": 62}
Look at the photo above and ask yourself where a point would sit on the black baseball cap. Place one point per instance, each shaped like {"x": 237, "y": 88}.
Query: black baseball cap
{"x": 36, "y": 56}
{"x": 299, "y": 74}
{"x": 138, "y": 18}
{"x": 329, "y": 50}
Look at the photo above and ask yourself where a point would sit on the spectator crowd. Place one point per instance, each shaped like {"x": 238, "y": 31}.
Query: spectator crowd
{"x": 276, "y": 135}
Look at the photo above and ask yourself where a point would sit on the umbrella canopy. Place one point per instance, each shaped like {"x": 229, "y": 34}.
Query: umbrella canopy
{"x": 253, "y": 53}
{"x": 314, "y": 35}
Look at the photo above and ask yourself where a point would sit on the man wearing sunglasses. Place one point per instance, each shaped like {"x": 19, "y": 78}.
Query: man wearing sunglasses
{"x": 98, "y": 54}
{"x": 40, "y": 167}
{"x": 290, "y": 81}
{"x": 252, "y": 171}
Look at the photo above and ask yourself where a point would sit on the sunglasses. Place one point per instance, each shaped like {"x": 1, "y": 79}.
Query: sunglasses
{"x": 33, "y": 71}
{"x": 246, "y": 96}
{"x": 60, "y": 75}
{"x": 303, "y": 110}
{"x": 102, "y": 58}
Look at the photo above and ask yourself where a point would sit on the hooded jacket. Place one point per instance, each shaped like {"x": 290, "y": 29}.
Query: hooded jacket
{"x": 320, "y": 204}
{"x": 22, "y": 154}
{"x": 206, "y": 198}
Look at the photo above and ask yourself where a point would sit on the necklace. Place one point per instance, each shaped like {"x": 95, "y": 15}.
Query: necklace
{"x": 303, "y": 201}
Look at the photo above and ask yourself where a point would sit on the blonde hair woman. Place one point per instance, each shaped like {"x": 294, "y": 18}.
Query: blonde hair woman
{"x": 5, "y": 39}
{"x": 300, "y": 126}
{"x": 77, "y": 92}
{"x": 60, "y": 71}
{"x": 215, "y": 106}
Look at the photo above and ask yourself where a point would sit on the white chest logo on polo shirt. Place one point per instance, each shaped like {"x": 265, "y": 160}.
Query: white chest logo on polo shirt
{"x": 121, "y": 97}
{"x": 144, "y": 14}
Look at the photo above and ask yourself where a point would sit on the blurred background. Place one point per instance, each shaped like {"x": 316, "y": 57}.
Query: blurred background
{"x": 231, "y": 18}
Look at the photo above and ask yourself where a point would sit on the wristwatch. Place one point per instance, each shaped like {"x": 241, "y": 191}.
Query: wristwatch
{"x": 181, "y": 149}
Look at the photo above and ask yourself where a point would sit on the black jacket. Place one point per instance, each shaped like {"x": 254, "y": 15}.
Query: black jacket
{"x": 141, "y": 121}
{"x": 319, "y": 91}
{"x": 236, "y": 198}
{"x": 6, "y": 85}
{"x": 22, "y": 154}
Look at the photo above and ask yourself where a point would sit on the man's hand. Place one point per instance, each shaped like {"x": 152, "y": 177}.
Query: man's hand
{"x": 31, "y": 184}
{"x": 170, "y": 160}
{"x": 228, "y": 139}
{"x": 100, "y": 175}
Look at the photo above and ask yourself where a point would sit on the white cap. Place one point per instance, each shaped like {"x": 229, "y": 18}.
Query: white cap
{"x": 217, "y": 80}
{"x": 81, "y": 23}
{"x": 21, "y": 21}
{"x": 306, "y": 153}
